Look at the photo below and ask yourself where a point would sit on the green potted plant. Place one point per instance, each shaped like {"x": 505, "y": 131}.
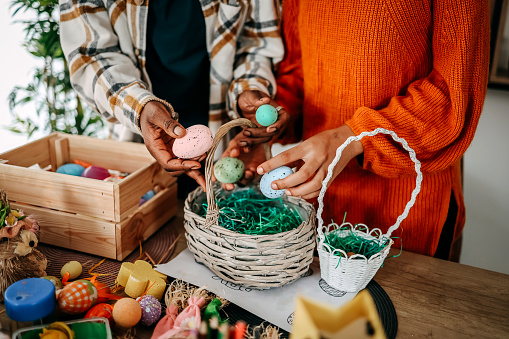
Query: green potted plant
{"x": 57, "y": 107}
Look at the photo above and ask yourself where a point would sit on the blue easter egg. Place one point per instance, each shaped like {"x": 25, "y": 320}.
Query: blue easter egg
{"x": 71, "y": 169}
{"x": 268, "y": 178}
{"x": 266, "y": 115}
{"x": 228, "y": 170}
{"x": 149, "y": 195}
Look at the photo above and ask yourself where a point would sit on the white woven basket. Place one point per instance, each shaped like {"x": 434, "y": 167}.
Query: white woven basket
{"x": 352, "y": 274}
{"x": 256, "y": 261}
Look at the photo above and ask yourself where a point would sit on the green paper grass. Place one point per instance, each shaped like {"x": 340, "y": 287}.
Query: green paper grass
{"x": 354, "y": 243}
{"x": 250, "y": 212}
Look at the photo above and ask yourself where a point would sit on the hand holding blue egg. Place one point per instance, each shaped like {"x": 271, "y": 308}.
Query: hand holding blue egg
{"x": 267, "y": 179}
{"x": 266, "y": 115}
{"x": 229, "y": 170}
{"x": 197, "y": 141}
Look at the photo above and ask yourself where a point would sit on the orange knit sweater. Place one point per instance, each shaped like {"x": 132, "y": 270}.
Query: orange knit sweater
{"x": 418, "y": 68}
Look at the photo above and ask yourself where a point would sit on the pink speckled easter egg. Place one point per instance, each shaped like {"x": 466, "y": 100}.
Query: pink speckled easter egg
{"x": 197, "y": 141}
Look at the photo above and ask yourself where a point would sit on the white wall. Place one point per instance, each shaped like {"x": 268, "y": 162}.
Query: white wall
{"x": 15, "y": 67}
{"x": 486, "y": 237}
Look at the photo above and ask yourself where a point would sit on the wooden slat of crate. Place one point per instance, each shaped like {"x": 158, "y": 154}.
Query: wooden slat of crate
{"x": 147, "y": 219}
{"x": 133, "y": 187}
{"x": 111, "y": 154}
{"x": 77, "y": 232}
{"x": 57, "y": 191}
{"x": 35, "y": 152}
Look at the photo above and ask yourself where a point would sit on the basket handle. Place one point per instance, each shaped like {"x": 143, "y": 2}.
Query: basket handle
{"x": 330, "y": 170}
{"x": 212, "y": 210}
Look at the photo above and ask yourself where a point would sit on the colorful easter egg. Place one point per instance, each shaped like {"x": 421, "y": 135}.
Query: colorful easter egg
{"x": 73, "y": 267}
{"x": 96, "y": 172}
{"x": 102, "y": 310}
{"x": 228, "y": 170}
{"x": 266, "y": 115}
{"x": 268, "y": 178}
{"x": 197, "y": 141}
{"x": 126, "y": 312}
{"x": 77, "y": 297}
{"x": 71, "y": 169}
{"x": 150, "y": 309}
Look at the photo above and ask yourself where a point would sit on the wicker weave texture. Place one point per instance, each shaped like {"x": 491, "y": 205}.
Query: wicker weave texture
{"x": 353, "y": 273}
{"x": 255, "y": 261}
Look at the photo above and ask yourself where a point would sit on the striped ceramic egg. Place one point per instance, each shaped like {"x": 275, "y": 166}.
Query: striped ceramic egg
{"x": 77, "y": 297}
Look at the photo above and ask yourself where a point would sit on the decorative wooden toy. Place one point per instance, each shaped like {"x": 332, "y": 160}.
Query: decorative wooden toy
{"x": 140, "y": 276}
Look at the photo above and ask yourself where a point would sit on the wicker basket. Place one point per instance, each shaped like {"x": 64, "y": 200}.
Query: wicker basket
{"x": 352, "y": 274}
{"x": 255, "y": 261}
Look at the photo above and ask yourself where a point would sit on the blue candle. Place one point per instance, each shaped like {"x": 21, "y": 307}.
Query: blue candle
{"x": 30, "y": 299}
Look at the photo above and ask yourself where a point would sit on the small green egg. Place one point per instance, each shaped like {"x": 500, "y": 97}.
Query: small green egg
{"x": 266, "y": 115}
{"x": 73, "y": 267}
{"x": 57, "y": 282}
{"x": 228, "y": 170}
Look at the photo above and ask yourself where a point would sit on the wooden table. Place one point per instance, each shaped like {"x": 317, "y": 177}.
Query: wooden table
{"x": 433, "y": 298}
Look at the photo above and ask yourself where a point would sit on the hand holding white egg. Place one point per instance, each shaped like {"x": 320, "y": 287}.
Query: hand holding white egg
{"x": 267, "y": 179}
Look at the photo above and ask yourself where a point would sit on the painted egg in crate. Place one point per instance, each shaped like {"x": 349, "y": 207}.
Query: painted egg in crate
{"x": 197, "y": 141}
{"x": 268, "y": 178}
{"x": 77, "y": 297}
{"x": 228, "y": 170}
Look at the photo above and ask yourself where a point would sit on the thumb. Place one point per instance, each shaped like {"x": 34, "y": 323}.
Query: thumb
{"x": 164, "y": 121}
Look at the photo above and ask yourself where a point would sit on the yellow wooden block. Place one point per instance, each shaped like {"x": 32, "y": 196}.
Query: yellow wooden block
{"x": 138, "y": 276}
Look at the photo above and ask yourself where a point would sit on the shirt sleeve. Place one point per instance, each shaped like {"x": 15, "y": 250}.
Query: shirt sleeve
{"x": 438, "y": 115}
{"x": 103, "y": 76}
{"x": 290, "y": 88}
{"x": 259, "y": 51}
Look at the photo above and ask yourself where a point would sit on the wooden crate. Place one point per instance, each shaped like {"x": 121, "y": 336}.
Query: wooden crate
{"x": 83, "y": 214}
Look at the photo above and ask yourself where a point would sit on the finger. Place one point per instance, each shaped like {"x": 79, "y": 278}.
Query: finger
{"x": 284, "y": 158}
{"x": 162, "y": 119}
{"x": 305, "y": 189}
{"x": 258, "y": 133}
{"x": 182, "y": 165}
{"x": 198, "y": 177}
{"x": 281, "y": 121}
{"x": 311, "y": 195}
{"x": 228, "y": 187}
{"x": 253, "y": 141}
{"x": 301, "y": 178}
{"x": 199, "y": 158}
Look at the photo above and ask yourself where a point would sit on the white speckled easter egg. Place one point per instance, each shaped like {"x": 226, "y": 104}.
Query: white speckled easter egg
{"x": 268, "y": 178}
{"x": 197, "y": 141}
{"x": 228, "y": 170}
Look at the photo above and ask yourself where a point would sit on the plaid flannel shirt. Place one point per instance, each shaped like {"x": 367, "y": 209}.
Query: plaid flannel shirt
{"x": 104, "y": 43}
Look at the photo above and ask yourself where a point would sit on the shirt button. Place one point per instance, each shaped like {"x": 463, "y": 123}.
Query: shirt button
{"x": 137, "y": 51}
{"x": 139, "y": 2}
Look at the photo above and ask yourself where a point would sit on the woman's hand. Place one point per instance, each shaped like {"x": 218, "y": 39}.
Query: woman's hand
{"x": 251, "y": 158}
{"x": 159, "y": 130}
{"x": 248, "y": 103}
{"x": 313, "y": 157}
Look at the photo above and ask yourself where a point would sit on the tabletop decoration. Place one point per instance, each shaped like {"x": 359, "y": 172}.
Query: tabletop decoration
{"x": 340, "y": 268}
{"x": 258, "y": 261}
{"x": 19, "y": 259}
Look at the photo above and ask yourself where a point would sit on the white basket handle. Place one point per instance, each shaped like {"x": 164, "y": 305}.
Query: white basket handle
{"x": 330, "y": 170}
